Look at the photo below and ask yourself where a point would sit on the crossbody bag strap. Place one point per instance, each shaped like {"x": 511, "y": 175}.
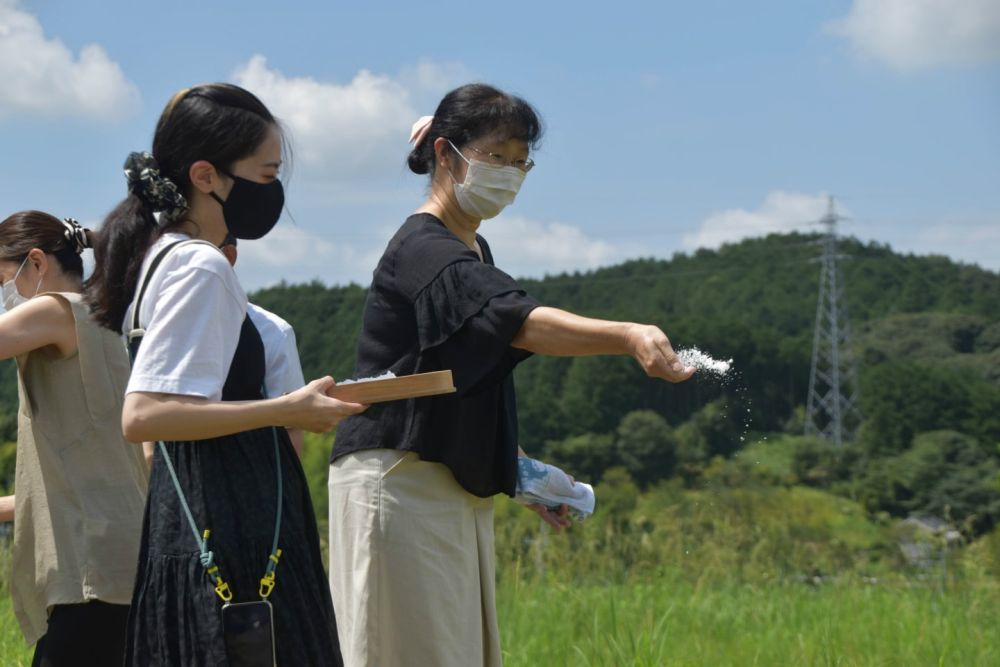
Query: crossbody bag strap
{"x": 134, "y": 329}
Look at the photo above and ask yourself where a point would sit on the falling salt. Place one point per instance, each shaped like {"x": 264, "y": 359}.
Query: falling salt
{"x": 693, "y": 357}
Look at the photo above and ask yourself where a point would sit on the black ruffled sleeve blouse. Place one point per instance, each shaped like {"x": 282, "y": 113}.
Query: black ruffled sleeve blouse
{"x": 433, "y": 305}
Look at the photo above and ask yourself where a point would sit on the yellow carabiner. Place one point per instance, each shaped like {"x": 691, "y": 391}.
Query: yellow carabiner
{"x": 222, "y": 590}
{"x": 266, "y": 585}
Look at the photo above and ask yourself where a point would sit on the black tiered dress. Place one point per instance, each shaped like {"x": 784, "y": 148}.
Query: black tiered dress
{"x": 231, "y": 487}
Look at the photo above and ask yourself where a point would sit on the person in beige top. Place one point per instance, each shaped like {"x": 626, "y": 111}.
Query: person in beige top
{"x": 79, "y": 486}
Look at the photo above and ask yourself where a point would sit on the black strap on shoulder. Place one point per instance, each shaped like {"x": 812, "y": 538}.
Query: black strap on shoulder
{"x": 136, "y": 332}
{"x": 160, "y": 256}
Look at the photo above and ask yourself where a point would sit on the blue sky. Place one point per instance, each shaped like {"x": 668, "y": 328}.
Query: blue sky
{"x": 670, "y": 126}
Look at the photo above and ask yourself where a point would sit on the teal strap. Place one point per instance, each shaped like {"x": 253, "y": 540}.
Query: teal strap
{"x": 267, "y": 581}
{"x": 207, "y": 556}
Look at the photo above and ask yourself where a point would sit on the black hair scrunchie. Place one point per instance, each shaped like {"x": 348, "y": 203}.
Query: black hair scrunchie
{"x": 159, "y": 192}
{"x": 75, "y": 235}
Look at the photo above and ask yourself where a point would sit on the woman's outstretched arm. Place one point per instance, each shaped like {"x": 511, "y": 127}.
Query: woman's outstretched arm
{"x": 560, "y": 333}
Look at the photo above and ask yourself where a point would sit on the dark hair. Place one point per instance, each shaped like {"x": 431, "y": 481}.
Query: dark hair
{"x": 25, "y": 230}
{"x": 473, "y": 111}
{"x": 218, "y": 122}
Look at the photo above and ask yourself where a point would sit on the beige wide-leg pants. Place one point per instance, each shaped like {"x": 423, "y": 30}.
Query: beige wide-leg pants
{"x": 411, "y": 564}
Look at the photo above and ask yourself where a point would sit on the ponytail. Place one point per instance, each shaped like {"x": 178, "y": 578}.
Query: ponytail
{"x": 119, "y": 249}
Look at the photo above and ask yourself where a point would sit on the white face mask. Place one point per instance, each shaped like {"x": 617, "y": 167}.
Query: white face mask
{"x": 487, "y": 189}
{"x": 11, "y": 297}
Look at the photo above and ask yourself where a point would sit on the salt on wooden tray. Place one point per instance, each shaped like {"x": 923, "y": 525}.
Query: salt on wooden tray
{"x": 388, "y": 387}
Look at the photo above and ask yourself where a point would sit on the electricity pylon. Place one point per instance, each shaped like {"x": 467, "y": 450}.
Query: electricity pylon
{"x": 831, "y": 408}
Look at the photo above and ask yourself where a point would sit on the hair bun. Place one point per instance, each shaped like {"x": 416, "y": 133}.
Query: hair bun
{"x": 159, "y": 192}
{"x": 75, "y": 235}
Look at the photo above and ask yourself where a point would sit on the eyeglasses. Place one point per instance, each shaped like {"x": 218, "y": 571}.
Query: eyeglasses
{"x": 500, "y": 161}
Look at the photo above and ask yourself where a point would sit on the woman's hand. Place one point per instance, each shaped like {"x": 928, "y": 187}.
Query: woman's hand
{"x": 651, "y": 348}
{"x": 310, "y": 409}
{"x": 557, "y": 518}
{"x": 561, "y": 333}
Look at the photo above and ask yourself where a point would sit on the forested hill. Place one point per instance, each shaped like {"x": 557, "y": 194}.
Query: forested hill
{"x": 926, "y": 334}
{"x": 754, "y": 302}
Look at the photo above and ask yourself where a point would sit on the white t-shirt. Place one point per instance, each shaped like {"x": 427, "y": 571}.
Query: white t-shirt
{"x": 192, "y": 311}
{"x": 283, "y": 371}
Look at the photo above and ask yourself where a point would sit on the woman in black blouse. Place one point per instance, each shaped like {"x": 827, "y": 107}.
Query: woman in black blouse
{"x": 411, "y": 482}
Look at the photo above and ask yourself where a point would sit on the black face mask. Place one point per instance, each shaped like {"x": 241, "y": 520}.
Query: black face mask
{"x": 252, "y": 209}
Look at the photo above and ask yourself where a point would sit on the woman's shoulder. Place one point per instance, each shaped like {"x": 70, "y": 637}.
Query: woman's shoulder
{"x": 190, "y": 253}
{"x": 45, "y": 322}
{"x": 47, "y": 309}
{"x": 423, "y": 232}
{"x": 422, "y": 248}
{"x": 190, "y": 266}
{"x": 60, "y": 308}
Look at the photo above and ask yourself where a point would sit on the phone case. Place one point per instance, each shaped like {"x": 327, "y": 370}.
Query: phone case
{"x": 248, "y": 630}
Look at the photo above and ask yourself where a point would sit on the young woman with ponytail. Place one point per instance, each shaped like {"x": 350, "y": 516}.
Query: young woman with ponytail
{"x": 80, "y": 487}
{"x": 229, "y": 518}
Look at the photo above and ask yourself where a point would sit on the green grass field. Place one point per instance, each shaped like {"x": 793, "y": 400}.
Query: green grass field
{"x": 673, "y": 623}
{"x": 670, "y": 622}
{"x": 755, "y": 574}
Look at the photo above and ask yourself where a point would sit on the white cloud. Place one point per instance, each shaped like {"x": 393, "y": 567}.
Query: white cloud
{"x": 350, "y": 131}
{"x": 914, "y": 34}
{"x": 528, "y": 248}
{"x": 966, "y": 238}
{"x": 521, "y": 247}
{"x": 295, "y": 254}
{"x": 42, "y": 76}
{"x": 781, "y": 212}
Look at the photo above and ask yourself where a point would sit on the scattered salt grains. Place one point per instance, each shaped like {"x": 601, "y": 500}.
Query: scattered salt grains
{"x": 693, "y": 357}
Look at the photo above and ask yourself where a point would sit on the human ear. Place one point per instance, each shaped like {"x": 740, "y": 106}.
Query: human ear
{"x": 442, "y": 152}
{"x": 204, "y": 177}
{"x": 38, "y": 259}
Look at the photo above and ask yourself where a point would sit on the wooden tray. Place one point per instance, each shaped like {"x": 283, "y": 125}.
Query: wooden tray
{"x": 394, "y": 389}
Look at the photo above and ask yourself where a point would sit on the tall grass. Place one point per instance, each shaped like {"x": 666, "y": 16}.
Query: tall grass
{"x": 670, "y": 621}
{"x": 745, "y": 575}
{"x": 737, "y": 576}
{"x": 13, "y": 651}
